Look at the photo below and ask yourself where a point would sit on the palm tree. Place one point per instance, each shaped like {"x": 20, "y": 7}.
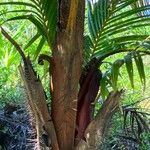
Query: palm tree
{"x": 77, "y": 54}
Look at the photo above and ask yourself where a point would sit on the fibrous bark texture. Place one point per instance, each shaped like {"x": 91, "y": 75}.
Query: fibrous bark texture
{"x": 66, "y": 70}
{"x": 97, "y": 129}
{"x": 36, "y": 98}
{"x": 37, "y": 102}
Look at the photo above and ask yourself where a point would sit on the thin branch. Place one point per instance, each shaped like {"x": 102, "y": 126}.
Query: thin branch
{"x": 14, "y": 43}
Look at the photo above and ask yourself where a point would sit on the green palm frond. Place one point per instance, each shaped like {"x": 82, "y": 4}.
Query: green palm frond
{"x": 111, "y": 23}
{"x": 42, "y": 14}
{"x": 110, "y": 77}
{"x": 140, "y": 3}
{"x": 129, "y": 67}
{"x": 140, "y": 66}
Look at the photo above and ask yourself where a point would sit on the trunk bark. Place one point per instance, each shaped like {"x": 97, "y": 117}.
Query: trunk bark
{"x": 37, "y": 102}
{"x": 65, "y": 77}
{"x": 66, "y": 70}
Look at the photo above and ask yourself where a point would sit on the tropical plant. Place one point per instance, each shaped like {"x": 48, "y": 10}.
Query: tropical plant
{"x": 60, "y": 25}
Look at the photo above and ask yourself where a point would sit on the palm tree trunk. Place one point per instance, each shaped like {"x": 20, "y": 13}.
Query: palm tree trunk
{"x": 66, "y": 70}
